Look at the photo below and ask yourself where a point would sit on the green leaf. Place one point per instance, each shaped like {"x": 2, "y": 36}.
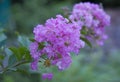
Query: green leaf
{"x": 12, "y": 60}
{"x": 21, "y": 53}
{"x": 22, "y": 50}
{"x": 25, "y": 52}
{"x": 16, "y": 52}
{"x": 86, "y": 41}
{"x": 24, "y": 41}
{"x": 28, "y": 56}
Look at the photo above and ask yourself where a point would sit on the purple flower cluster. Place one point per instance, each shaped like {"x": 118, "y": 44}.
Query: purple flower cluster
{"x": 93, "y": 17}
{"x": 59, "y": 38}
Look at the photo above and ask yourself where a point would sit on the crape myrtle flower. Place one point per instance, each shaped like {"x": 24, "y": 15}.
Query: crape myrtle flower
{"x": 59, "y": 36}
{"x": 55, "y": 40}
{"x": 93, "y": 17}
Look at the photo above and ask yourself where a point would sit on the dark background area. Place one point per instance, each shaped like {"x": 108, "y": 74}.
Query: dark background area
{"x": 106, "y": 3}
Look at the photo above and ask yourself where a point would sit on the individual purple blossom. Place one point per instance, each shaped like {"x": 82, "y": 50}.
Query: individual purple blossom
{"x": 47, "y": 76}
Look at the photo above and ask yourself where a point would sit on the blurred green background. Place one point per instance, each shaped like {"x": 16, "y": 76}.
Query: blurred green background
{"x": 99, "y": 64}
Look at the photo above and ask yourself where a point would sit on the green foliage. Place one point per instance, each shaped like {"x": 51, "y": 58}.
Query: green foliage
{"x": 13, "y": 57}
{"x": 16, "y": 53}
{"x": 21, "y": 53}
{"x": 33, "y": 12}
